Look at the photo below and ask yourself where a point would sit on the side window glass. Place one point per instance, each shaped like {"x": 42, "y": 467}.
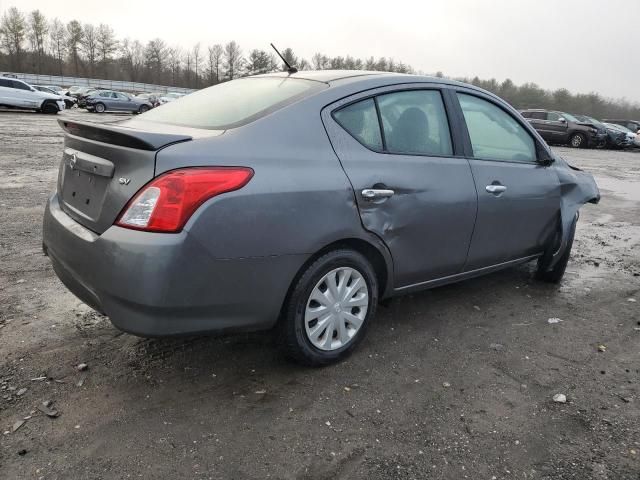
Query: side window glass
{"x": 120, "y": 96}
{"x": 553, "y": 117}
{"x": 495, "y": 135}
{"x": 415, "y": 121}
{"x": 361, "y": 121}
{"x": 4, "y": 83}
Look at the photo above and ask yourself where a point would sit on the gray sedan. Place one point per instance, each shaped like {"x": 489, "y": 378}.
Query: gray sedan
{"x": 108, "y": 100}
{"x": 298, "y": 201}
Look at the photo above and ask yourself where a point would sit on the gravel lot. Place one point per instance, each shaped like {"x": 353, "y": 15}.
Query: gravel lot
{"x": 452, "y": 383}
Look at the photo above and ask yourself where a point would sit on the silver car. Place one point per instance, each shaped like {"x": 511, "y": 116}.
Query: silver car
{"x": 108, "y": 100}
{"x": 298, "y": 201}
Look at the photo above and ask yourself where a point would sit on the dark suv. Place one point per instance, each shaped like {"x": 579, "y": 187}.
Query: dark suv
{"x": 564, "y": 128}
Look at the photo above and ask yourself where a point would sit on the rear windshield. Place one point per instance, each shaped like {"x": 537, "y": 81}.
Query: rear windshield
{"x": 232, "y": 104}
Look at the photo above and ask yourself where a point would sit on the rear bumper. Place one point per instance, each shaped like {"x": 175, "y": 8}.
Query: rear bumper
{"x": 153, "y": 284}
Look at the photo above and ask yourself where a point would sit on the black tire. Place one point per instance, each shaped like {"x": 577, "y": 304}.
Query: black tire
{"x": 49, "y": 108}
{"x": 578, "y": 140}
{"x": 292, "y": 331}
{"x": 143, "y": 108}
{"x": 557, "y": 272}
{"x": 99, "y": 108}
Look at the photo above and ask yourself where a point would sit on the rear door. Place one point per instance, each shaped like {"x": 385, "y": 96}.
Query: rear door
{"x": 518, "y": 197}
{"x": 413, "y": 186}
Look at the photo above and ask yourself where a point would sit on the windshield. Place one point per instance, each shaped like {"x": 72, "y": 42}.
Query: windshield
{"x": 235, "y": 103}
{"x": 618, "y": 127}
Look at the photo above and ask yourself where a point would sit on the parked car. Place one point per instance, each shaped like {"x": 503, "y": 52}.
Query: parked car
{"x": 297, "y": 201}
{"x": 152, "y": 98}
{"x": 633, "y": 125}
{"x": 614, "y": 138}
{"x": 632, "y": 139}
{"x": 170, "y": 97}
{"x": 108, "y": 100}
{"x": 15, "y": 93}
{"x": 84, "y": 94}
{"x": 563, "y": 128}
{"x": 68, "y": 100}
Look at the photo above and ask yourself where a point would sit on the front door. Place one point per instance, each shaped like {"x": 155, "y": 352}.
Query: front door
{"x": 518, "y": 197}
{"x": 413, "y": 188}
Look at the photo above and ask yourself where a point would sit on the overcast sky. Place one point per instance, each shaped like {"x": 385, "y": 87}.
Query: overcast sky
{"x": 583, "y": 45}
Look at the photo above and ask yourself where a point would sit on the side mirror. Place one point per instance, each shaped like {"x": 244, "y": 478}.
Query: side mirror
{"x": 562, "y": 120}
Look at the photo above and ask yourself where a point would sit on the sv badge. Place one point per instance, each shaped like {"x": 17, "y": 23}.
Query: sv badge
{"x": 124, "y": 181}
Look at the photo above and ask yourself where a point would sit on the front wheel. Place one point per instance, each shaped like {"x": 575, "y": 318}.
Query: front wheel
{"x": 50, "y": 108}
{"x": 557, "y": 272}
{"x": 578, "y": 140}
{"x": 143, "y": 108}
{"x": 329, "y": 308}
{"x": 99, "y": 108}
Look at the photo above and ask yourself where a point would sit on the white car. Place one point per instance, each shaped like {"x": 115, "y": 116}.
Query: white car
{"x": 170, "y": 97}
{"x": 18, "y": 94}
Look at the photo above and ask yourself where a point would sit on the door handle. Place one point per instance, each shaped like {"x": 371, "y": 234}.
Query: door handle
{"x": 376, "y": 193}
{"x": 495, "y": 189}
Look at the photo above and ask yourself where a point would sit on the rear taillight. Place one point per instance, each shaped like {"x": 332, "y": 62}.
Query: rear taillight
{"x": 167, "y": 202}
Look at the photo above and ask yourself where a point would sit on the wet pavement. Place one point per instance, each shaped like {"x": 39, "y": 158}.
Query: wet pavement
{"x": 452, "y": 383}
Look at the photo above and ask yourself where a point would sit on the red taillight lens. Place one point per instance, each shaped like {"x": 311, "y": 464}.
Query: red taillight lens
{"x": 167, "y": 202}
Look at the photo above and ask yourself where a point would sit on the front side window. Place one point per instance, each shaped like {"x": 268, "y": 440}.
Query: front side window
{"x": 235, "y": 103}
{"x": 494, "y": 134}
{"x": 415, "y": 122}
{"x": 121, "y": 96}
{"x": 361, "y": 121}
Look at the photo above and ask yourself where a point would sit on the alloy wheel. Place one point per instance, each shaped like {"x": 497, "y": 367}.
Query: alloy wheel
{"x": 336, "y": 309}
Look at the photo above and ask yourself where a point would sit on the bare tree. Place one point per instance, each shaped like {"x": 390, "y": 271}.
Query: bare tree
{"x": 216, "y": 56}
{"x": 320, "y": 61}
{"x": 38, "y": 29}
{"x": 197, "y": 61}
{"x": 74, "y": 39}
{"x": 132, "y": 58}
{"x": 233, "y": 60}
{"x": 174, "y": 56}
{"x": 13, "y": 30}
{"x": 57, "y": 37}
{"x": 156, "y": 58}
{"x": 107, "y": 45}
{"x": 89, "y": 44}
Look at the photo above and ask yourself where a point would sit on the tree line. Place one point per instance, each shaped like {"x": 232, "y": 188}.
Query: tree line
{"x": 31, "y": 43}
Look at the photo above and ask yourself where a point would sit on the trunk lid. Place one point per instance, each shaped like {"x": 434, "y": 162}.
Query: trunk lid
{"x": 104, "y": 165}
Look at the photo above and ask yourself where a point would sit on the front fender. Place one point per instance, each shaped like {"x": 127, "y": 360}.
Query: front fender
{"x": 576, "y": 188}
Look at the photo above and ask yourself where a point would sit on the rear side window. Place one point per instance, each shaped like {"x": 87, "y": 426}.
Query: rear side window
{"x": 538, "y": 115}
{"x": 361, "y": 120}
{"x": 4, "y": 82}
{"x": 19, "y": 85}
{"x": 415, "y": 121}
{"x": 235, "y": 103}
{"x": 495, "y": 135}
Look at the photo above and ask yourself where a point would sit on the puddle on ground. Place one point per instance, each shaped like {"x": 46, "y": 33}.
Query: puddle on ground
{"x": 627, "y": 189}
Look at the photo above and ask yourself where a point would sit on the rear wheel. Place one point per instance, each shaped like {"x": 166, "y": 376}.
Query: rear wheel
{"x": 100, "y": 108}
{"x": 578, "y": 140}
{"x": 557, "y": 272}
{"x": 329, "y": 308}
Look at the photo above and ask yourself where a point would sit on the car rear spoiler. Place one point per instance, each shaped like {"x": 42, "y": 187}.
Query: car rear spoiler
{"x": 122, "y": 136}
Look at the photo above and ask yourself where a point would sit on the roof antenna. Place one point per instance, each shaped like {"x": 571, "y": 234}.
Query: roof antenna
{"x": 290, "y": 69}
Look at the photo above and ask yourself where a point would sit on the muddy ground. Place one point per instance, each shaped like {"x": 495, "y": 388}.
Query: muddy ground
{"x": 452, "y": 383}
